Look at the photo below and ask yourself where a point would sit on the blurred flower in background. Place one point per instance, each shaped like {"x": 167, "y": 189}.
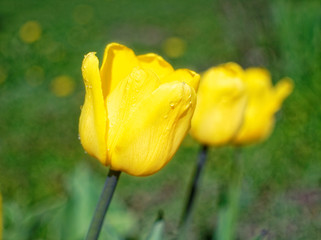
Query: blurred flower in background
{"x": 221, "y": 101}
{"x": 62, "y": 86}
{"x": 264, "y": 101}
{"x": 174, "y": 47}
{"x": 137, "y": 109}
{"x": 30, "y": 32}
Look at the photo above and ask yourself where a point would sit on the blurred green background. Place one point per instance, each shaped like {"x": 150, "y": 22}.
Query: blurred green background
{"x": 50, "y": 186}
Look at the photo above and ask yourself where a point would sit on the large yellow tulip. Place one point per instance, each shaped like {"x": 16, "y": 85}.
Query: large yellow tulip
{"x": 220, "y": 105}
{"x": 264, "y": 101}
{"x": 137, "y": 109}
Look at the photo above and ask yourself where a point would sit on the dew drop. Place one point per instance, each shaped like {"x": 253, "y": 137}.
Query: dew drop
{"x": 78, "y": 137}
{"x": 166, "y": 116}
{"x": 172, "y": 105}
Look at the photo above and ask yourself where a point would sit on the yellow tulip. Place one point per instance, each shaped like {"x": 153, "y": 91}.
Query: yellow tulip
{"x": 137, "y": 109}
{"x": 264, "y": 101}
{"x": 220, "y": 105}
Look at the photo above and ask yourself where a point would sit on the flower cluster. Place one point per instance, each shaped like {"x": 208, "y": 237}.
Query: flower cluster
{"x": 138, "y": 109}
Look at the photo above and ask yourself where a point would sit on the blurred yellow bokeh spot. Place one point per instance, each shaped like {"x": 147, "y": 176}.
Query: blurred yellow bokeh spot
{"x": 174, "y": 47}
{"x": 30, "y": 32}
{"x": 34, "y": 75}
{"x": 3, "y": 74}
{"x": 62, "y": 86}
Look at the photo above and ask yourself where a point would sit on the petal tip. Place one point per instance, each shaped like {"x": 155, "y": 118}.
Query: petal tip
{"x": 285, "y": 86}
{"x": 91, "y": 56}
{"x": 117, "y": 46}
{"x": 88, "y": 62}
{"x": 150, "y": 57}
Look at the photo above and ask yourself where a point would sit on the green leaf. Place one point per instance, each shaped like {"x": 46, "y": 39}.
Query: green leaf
{"x": 157, "y": 231}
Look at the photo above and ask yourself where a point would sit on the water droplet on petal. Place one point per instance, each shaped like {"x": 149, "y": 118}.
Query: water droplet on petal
{"x": 172, "y": 105}
{"x": 166, "y": 116}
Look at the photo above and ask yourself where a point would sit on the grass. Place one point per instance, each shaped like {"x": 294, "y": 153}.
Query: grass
{"x": 38, "y": 130}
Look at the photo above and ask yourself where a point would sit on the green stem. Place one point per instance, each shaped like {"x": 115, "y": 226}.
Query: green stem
{"x": 103, "y": 204}
{"x": 194, "y": 187}
{"x": 229, "y": 202}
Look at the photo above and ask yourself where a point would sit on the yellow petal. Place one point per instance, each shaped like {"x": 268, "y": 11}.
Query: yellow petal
{"x": 258, "y": 81}
{"x": 264, "y": 102}
{"x": 92, "y": 122}
{"x": 183, "y": 75}
{"x": 281, "y": 91}
{"x": 232, "y": 68}
{"x": 155, "y": 130}
{"x": 223, "y": 81}
{"x": 118, "y": 63}
{"x": 257, "y": 126}
{"x": 123, "y": 101}
{"x": 221, "y": 102}
{"x": 155, "y": 63}
{"x": 216, "y": 123}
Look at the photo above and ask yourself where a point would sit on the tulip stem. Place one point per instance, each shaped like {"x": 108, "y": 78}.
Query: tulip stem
{"x": 194, "y": 187}
{"x": 103, "y": 204}
{"x": 229, "y": 201}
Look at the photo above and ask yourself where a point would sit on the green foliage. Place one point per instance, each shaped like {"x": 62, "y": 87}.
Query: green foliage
{"x": 68, "y": 218}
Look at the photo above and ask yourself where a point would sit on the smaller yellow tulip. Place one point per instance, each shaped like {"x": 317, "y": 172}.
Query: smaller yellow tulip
{"x": 220, "y": 105}
{"x": 264, "y": 101}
